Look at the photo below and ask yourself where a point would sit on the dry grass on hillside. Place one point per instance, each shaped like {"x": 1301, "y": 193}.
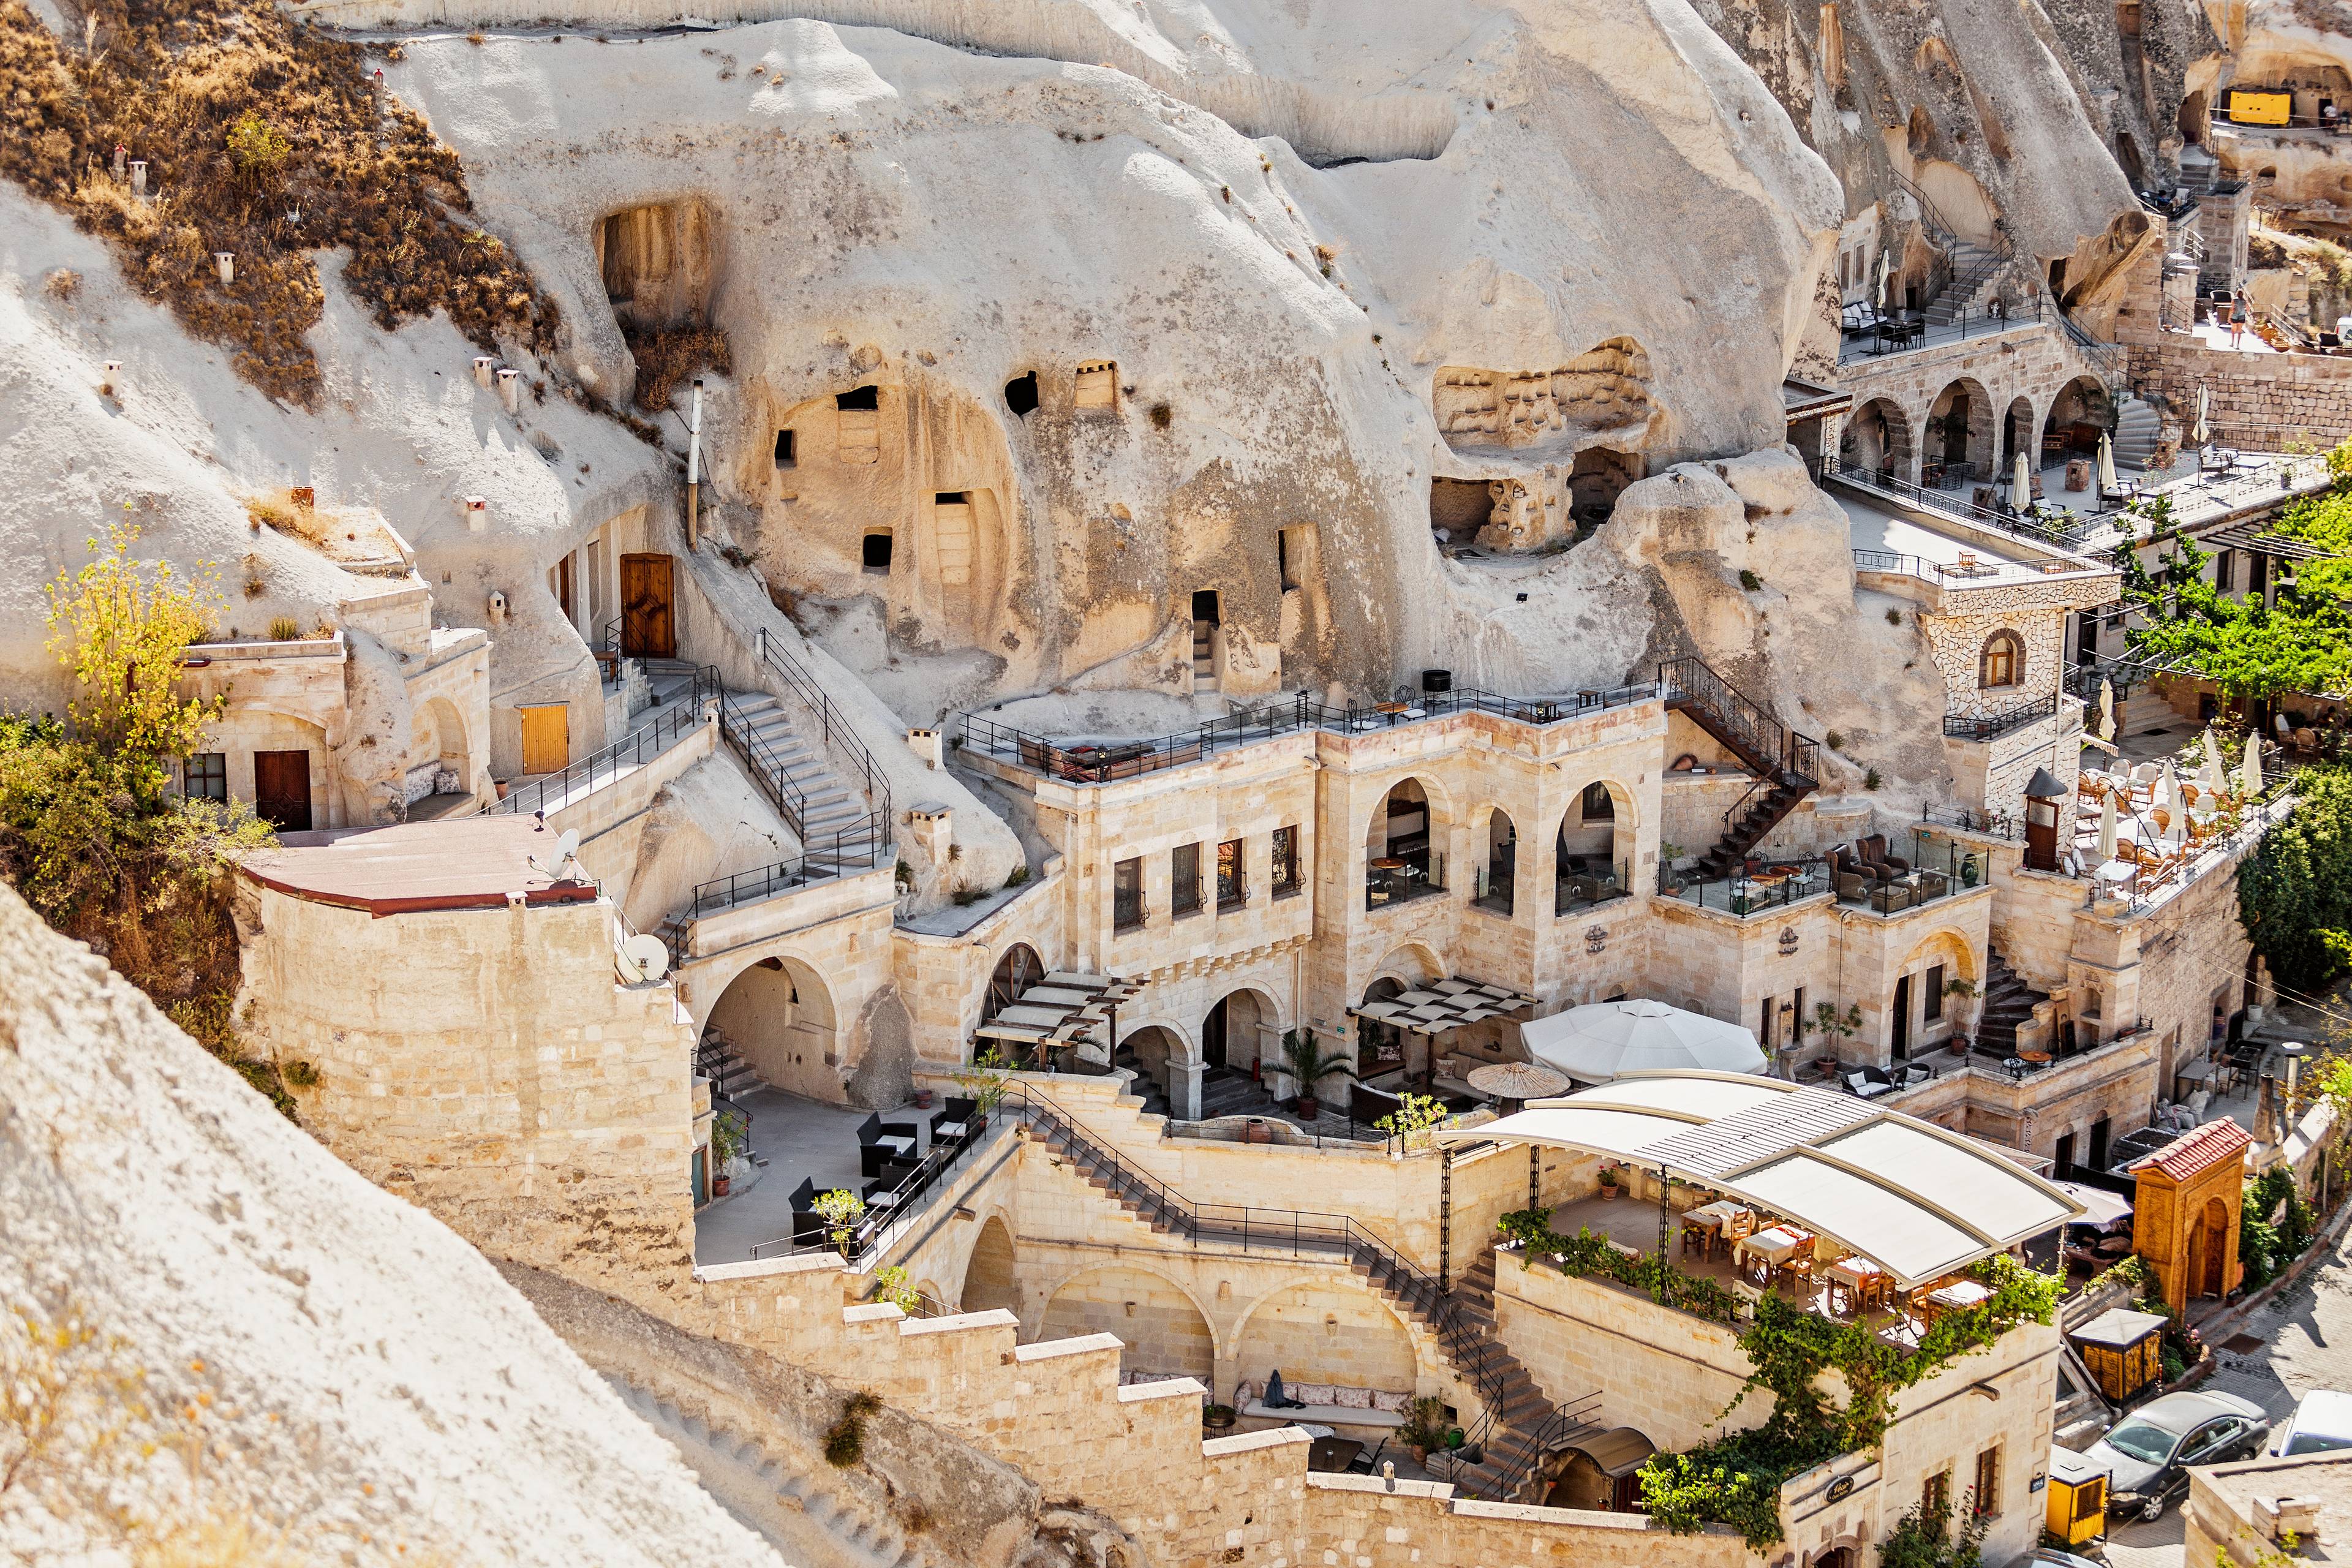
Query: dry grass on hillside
{"x": 265, "y": 138}
{"x": 668, "y": 355}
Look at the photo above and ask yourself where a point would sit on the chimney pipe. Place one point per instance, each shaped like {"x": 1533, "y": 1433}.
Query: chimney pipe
{"x": 477, "y": 512}
{"x": 694, "y": 466}
{"x": 228, "y": 261}
{"x": 510, "y": 390}
{"x": 484, "y": 364}
{"x": 138, "y": 176}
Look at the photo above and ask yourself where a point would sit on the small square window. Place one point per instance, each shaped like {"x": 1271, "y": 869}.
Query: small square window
{"x": 207, "y": 777}
{"x": 875, "y": 555}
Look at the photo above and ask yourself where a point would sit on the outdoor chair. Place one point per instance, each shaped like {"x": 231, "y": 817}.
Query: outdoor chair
{"x": 878, "y": 1140}
{"x": 1872, "y": 850}
{"x": 1862, "y": 1086}
{"x": 954, "y": 1124}
{"x": 808, "y": 1225}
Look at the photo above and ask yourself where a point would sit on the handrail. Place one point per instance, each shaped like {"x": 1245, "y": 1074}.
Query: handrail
{"x": 855, "y": 848}
{"x": 1117, "y": 760}
{"x": 834, "y": 729}
{"x": 1991, "y": 726}
{"x": 638, "y": 747}
{"x": 1745, "y": 721}
{"x": 1548, "y": 1438}
{"x": 1886, "y": 483}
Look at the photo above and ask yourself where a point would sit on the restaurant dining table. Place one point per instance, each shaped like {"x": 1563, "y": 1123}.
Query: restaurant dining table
{"x": 1953, "y": 1296}
{"x": 1861, "y": 1281}
{"x": 1780, "y": 1249}
{"x": 1713, "y": 1222}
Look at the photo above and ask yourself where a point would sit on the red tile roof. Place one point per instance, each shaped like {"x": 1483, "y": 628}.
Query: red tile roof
{"x": 2199, "y": 1150}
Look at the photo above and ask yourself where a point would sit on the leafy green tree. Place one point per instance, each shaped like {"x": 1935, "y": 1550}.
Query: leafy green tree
{"x": 2294, "y": 892}
{"x": 2301, "y": 642}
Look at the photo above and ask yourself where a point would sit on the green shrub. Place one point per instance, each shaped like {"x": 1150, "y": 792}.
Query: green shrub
{"x": 844, "y": 1440}
{"x": 1749, "y": 581}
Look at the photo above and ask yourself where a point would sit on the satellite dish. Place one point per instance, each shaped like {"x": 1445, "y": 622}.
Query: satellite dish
{"x": 644, "y": 957}
{"x": 566, "y": 860}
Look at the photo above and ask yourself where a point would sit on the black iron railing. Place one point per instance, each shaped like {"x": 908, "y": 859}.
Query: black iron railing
{"x": 1779, "y": 885}
{"x": 1990, "y": 726}
{"x": 1574, "y": 890}
{"x": 1388, "y": 885}
{"x": 1995, "y": 823}
{"x": 1109, "y": 761}
{"x": 835, "y": 734}
{"x": 633, "y": 751}
{"x": 1741, "y": 722}
{"x": 1888, "y": 483}
{"x": 821, "y": 859}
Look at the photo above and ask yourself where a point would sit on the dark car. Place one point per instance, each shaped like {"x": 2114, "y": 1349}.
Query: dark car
{"x": 2147, "y": 1455}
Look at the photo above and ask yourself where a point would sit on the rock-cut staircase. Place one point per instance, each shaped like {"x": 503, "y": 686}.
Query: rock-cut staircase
{"x": 1521, "y": 1427}
{"x": 2009, "y": 1001}
{"x": 1785, "y": 762}
{"x": 830, "y": 815}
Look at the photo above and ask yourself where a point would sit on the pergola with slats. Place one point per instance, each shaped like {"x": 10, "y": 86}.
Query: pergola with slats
{"x": 1060, "y": 1012}
{"x": 1444, "y": 1006}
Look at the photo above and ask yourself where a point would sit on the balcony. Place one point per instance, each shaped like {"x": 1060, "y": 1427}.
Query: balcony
{"x": 1584, "y": 888}
{"x": 1991, "y": 726}
{"x": 1390, "y": 880}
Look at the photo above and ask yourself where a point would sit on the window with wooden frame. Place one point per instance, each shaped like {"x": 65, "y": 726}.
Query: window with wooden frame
{"x": 1185, "y": 880}
{"x": 2002, "y": 662}
{"x": 1986, "y": 1496}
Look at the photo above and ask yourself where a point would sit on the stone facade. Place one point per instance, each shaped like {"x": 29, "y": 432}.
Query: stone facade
{"x": 2030, "y": 364}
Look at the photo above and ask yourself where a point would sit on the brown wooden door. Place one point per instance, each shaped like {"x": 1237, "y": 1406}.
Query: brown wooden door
{"x": 648, "y": 625}
{"x": 281, "y": 790}
{"x": 546, "y": 739}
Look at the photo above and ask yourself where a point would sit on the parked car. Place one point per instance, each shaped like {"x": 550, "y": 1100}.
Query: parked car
{"x": 2149, "y": 1453}
{"x": 2051, "y": 1557}
{"x": 2322, "y": 1421}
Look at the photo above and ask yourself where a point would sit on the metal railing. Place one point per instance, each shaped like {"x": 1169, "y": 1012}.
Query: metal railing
{"x": 1111, "y": 761}
{"x": 1741, "y": 722}
{"x": 821, "y": 859}
{"x": 1887, "y": 483}
{"x": 1385, "y": 887}
{"x": 1783, "y": 882}
{"x": 1995, "y": 823}
{"x": 633, "y": 751}
{"x": 1990, "y": 726}
{"x": 1962, "y": 574}
{"x": 1130, "y": 912}
{"x": 2209, "y": 854}
{"x": 1574, "y": 890}
{"x": 834, "y": 733}
{"x": 1565, "y": 1422}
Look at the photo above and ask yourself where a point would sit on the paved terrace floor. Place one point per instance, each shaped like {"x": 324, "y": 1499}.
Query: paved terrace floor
{"x": 798, "y": 1138}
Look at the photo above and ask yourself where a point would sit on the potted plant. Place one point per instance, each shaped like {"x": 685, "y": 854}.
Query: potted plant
{"x": 1217, "y": 1417}
{"x": 923, "y": 1099}
{"x": 983, "y": 1083}
{"x": 1425, "y": 1427}
{"x": 726, "y": 1148}
{"x": 841, "y": 1210}
{"x": 1307, "y": 1062}
{"x": 1609, "y": 1183}
{"x": 1667, "y": 855}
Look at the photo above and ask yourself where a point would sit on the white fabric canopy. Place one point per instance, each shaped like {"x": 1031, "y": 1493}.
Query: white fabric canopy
{"x": 2100, "y": 1206}
{"x": 1596, "y": 1043}
{"x": 1913, "y": 1198}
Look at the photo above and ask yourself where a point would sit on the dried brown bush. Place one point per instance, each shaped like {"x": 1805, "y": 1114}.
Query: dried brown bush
{"x": 667, "y": 355}
{"x": 173, "y": 81}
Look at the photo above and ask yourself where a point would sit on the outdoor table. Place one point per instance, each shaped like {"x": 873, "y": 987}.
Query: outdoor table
{"x": 1957, "y": 1296}
{"x": 2039, "y": 1058}
{"x": 897, "y": 1145}
{"x": 1780, "y": 1249}
{"x": 1333, "y": 1454}
{"x": 1861, "y": 1280}
{"x": 1711, "y": 1221}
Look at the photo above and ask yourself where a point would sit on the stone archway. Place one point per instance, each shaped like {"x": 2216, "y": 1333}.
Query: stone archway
{"x": 1958, "y": 441}
{"x": 779, "y": 1015}
{"x": 1319, "y": 1332}
{"x": 1159, "y": 1058}
{"x": 1406, "y": 844}
{"x": 989, "y": 1284}
{"x": 2019, "y": 430}
{"x": 1594, "y": 847}
{"x": 1876, "y": 439}
{"x": 2082, "y": 409}
{"x": 1158, "y": 1325}
{"x": 1241, "y": 1029}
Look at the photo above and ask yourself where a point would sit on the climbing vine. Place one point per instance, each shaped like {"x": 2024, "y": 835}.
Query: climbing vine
{"x": 1737, "y": 1480}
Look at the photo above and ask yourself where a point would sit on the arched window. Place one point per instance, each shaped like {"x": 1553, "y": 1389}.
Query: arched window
{"x": 2002, "y": 663}
{"x": 1598, "y": 806}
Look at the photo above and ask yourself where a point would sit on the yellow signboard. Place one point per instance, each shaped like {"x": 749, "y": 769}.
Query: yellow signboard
{"x": 2259, "y": 107}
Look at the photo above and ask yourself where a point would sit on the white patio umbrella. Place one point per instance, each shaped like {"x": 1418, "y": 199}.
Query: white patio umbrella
{"x": 2203, "y": 432}
{"x": 2164, "y": 794}
{"x": 2171, "y": 782}
{"x": 2250, "y": 771}
{"x": 2107, "y": 464}
{"x": 1886, "y": 278}
{"x": 2108, "y": 827}
{"x": 2100, "y": 1207}
{"x": 2107, "y": 708}
{"x": 2021, "y": 482}
{"x": 1594, "y": 1044}
{"x": 2209, "y": 775}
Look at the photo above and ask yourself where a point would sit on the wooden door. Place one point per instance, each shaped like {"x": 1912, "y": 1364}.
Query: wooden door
{"x": 546, "y": 739}
{"x": 281, "y": 790}
{"x": 1902, "y": 1037}
{"x": 649, "y": 622}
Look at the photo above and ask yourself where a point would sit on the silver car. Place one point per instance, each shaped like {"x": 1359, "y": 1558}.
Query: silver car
{"x": 2322, "y": 1423}
{"x": 2147, "y": 1455}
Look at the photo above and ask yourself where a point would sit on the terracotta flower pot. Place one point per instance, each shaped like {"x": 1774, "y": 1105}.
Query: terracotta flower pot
{"x": 720, "y": 1184}
{"x": 1308, "y": 1108}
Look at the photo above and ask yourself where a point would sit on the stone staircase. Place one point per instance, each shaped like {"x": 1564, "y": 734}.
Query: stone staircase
{"x": 1975, "y": 275}
{"x": 2135, "y": 433}
{"x": 1204, "y": 656}
{"x": 804, "y": 1513}
{"x": 2009, "y": 1001}
{"x": 832, "y": 818}
{"x": 1522, "y": 1426}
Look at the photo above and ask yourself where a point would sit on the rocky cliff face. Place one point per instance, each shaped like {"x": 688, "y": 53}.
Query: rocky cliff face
{"x": 281, "y": 1361}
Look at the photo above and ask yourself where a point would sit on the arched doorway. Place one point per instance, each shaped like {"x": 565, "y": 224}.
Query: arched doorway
{"x": 778, "y": 1016}
{"x": 1212, "y": 1036}
{"x": 1403, "y": 847}
{"x": 2208, "y": 1251}
{"x": 2079, "y": 415}
{"x": 1602, "y": 1473}
{"x": 2017, "y": 429}
{"x": 1877, "y": 439}
{"x": 1593, "y": 850}
{"x": 1380, "y": 1045}
{"x": 1959, "y": 441}
{"x": 443, "y": 732}
{"x": 1016, "y": 971}
{"x": 2192, "y": 121}
{"x": 988, "y": 1283}
{"x": 1498, "y": 877}
{"x": 1328, "y": 1332}
{"x": 1158, "y": 1327}
{"x": 1149, "y": 1050}
{"x": 1233, "y": 1033}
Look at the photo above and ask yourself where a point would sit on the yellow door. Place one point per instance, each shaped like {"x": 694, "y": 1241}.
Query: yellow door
{"x": 546, "y": 739}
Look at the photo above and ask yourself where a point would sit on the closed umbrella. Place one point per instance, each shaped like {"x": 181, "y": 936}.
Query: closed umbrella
{"x": 1594, "y": 1044}
{"x": 2250, "y": 771}
{"x": 2171, "y": 781}
{"x": 2210, "y": 773}
{"x": 2107, "y": 485}
{"x": 2108, "y": 827}
{"x": 2164, "y": 795}
{"x": 2020, "y": 483}
{"x": 1886, "y": 278}
{"x": 2107, "y": 708}
{"x": 2204, "y": 430}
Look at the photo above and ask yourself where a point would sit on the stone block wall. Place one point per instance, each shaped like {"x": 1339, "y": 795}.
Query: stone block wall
{"x": 490, "y": 1066}
{"x": 2287, "y": 396}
